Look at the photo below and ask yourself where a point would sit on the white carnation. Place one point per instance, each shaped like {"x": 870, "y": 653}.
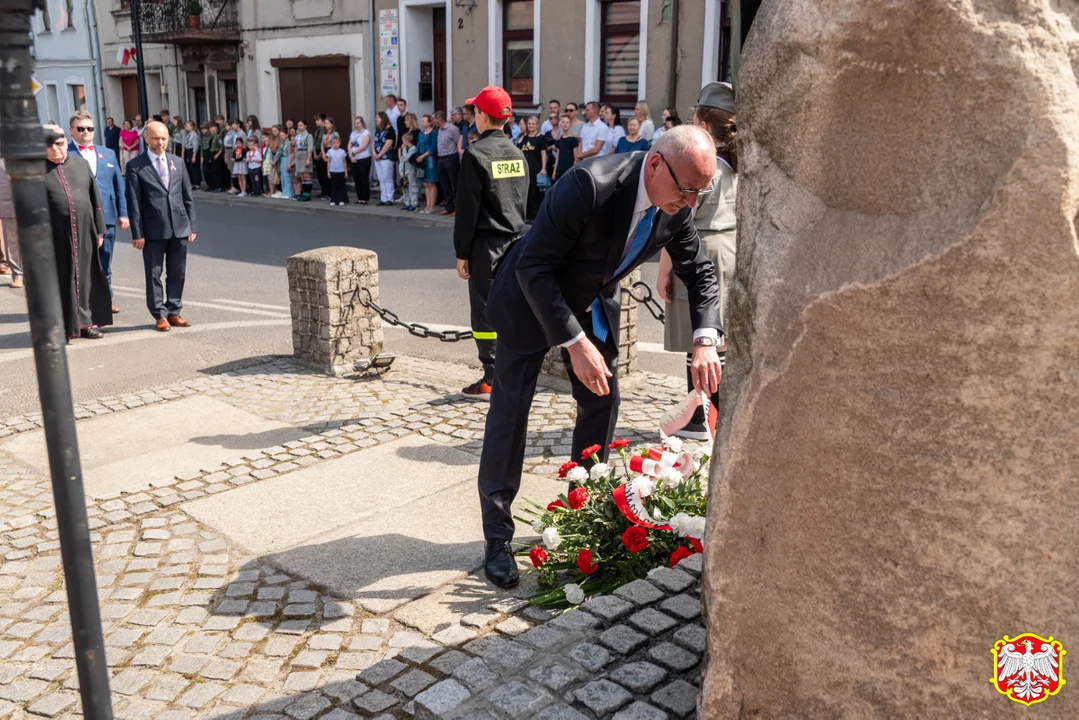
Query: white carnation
{"x": 577, "y": 475}
{"x": 700, "y": 453}
{"x": 680, "y": 523}
{"x": 672, "y": 478}
{"x": 537, "y": 525}
{"x": 551, "y": 538}
{"x": 644, "y": 485}
{"x": 695, "y": 528}
{"x": 574, "y": 594}
{"x": 673, "y": 444}
{"x": 600, "y": 471}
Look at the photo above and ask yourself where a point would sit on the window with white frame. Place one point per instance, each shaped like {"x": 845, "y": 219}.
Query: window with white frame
{"x": 620, "y": 51}
{"x": 518, "y": 49}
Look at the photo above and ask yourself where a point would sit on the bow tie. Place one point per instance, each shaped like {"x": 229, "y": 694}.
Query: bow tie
{"x": 85, "y": 147}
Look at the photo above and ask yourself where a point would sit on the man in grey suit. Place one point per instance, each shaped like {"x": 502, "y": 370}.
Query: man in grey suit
{"x": 162, "y": 217}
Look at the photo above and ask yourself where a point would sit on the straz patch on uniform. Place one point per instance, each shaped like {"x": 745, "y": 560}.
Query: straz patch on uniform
{"x": 507, "y": 169}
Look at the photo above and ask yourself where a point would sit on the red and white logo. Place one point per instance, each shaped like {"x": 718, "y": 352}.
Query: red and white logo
{"x": 1028, "y": 668}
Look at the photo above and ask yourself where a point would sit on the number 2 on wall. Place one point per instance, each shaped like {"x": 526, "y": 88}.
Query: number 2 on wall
{"x": 460, "y": 23}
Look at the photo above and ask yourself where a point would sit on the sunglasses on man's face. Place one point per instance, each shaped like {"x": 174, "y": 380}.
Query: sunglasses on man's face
{"x": 84, "y": 128}
{"x": 61, "y": 143}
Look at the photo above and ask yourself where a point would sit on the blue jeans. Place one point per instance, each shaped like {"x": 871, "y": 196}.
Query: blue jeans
{"x": 105, "y": 251}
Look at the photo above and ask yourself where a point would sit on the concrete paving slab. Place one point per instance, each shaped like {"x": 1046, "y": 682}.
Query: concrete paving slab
{"x": 124, "y": 452}
{"x": 450, "y": 603}
{"x": 381, "y": 526}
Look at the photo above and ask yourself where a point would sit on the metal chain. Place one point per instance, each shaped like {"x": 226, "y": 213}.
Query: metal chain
{"x": 450, "y": 336}
{"x": 417, "y": 329}
{"x": 646, "y": 299}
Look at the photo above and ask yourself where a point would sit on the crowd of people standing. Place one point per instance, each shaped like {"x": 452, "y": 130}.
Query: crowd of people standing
{"x": 415, "y": 161}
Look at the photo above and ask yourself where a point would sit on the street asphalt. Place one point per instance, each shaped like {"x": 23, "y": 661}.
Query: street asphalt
{"x": 237, "y": 299}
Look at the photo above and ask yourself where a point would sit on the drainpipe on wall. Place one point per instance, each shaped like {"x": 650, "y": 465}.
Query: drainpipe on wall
{"x": 672, "y": 78}
{"x": 372, "y": 55}
{"x": 95, "y": 55}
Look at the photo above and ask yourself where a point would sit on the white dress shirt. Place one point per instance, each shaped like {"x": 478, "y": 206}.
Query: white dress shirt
{"x": 393, "y": 113}
{"x": 639, "y": 209}
{"x": 161, "y": 167}
{"x": 90, "y": 156}
{"x": 592, "y": 133}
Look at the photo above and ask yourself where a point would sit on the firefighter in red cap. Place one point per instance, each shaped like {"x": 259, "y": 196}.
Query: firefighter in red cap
{"x": 491, "y": 195}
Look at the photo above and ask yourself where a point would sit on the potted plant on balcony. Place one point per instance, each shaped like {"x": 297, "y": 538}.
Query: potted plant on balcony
{"x": 194, "y": 14}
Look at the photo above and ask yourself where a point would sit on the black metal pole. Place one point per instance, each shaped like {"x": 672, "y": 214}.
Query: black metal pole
{"x": 140, "y": 68}
{"x": 23, "y": 146}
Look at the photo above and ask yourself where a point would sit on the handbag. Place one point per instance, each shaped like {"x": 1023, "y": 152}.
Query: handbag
{"x": 543, "y": 181}
{"x": 417, "y": 160}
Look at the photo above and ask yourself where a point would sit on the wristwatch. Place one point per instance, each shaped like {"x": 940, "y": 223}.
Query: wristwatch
{"x": 706, "y": 341}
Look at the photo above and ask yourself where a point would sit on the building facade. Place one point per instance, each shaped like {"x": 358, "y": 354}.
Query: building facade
{"x": 617, "y": 51}
{"x": 280, "y": 59}
{"x": 66, "y": 60}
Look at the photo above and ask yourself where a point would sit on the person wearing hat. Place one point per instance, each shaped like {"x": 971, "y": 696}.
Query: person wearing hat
{"x": 491, "y": 194}
{"x": 715, "y": 222}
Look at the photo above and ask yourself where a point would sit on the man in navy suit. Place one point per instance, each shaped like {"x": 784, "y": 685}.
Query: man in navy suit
{"x": 558, "y": 287}
{"x": 110, "y": 185}
{"x": 162, "y": 223}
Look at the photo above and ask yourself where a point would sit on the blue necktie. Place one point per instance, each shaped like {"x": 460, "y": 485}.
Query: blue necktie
{"x": 640, "y": 238}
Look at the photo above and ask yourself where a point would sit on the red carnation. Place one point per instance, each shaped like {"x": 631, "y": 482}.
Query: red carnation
{"x": 556, "y": 504}
{"x": 577, "y": 498}
{"x": 635, "y": 539}
{"x": 619, "y": 444}
{"x": 590, "y": 451}
{"x": 679, "y": 555}
{"x": 584, "y": 562}
{"x": 562, "y": 471}
{"x": 696, "y": 544}
{"x": 538, "y": 556}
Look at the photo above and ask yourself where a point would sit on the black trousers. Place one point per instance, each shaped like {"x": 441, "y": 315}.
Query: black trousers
{"x": 323, "y": 177}
{"x": 254, "y": 181}
{"x": 208, "y": 173}
{"x": 191, "y": 160}
{"x": 170, "y": 256}
{"x": 224, "y": 179}
{"x": 479, "y": 287}
{"x": 448, "y": 167}
{"x": 338, "y": 193}
{"x": 361, "y": 178}
{"x": 507, "y": 425}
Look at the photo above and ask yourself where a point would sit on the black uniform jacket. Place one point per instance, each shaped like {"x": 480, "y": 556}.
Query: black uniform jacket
{"x": 569, "y": 256}
{"x": 491, "y": 195}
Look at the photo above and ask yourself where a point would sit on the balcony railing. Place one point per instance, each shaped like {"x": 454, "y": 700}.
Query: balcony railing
{"x": 172, "y": 21}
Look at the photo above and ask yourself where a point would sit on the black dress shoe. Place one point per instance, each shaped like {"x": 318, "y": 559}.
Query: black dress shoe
{"x": 499, "y": 565}
{"x": 91, "y": 334}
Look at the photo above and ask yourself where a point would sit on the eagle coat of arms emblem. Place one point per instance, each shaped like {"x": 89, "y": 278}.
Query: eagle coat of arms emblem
{"x": 1028, "y": 668}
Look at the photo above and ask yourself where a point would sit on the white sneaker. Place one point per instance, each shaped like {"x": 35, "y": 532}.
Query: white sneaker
{"x": 241, "y": 194}
{"x": 276, "y": 195}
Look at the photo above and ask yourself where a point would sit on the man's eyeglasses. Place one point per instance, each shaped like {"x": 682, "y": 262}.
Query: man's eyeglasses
{"x": 684, "y": 191}
{"x": 84, "y": 128}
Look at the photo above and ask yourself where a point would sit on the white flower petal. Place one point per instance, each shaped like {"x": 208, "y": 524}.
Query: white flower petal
{"x": 600, "y": 471}
{"x": 577, "y": 475}
{"x": 673, "y": 444}
{"x": 551, "y": 538}
{"x": 672, "y": 478}
{"x": 574, "y": 594}
{"x": 537, "y": 525}
{"x": 644, "y": 485}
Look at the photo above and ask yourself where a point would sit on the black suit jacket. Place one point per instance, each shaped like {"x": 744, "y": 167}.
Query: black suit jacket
{"x": 569, "y": 256}
{"x": 157, "y": 212}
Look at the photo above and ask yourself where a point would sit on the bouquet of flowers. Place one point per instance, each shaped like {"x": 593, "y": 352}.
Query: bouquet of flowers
{"x": 645, "y": 509}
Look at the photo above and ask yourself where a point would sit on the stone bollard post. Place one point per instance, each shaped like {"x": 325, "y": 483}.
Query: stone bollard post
{"x": 331, "y": 328}
{"x": 554, "y": 370}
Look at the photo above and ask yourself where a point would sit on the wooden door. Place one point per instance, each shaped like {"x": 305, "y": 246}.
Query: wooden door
{"x": 440, "y": 59}
{"x": 129, "y": 86}
{"x": 306, "y": 91}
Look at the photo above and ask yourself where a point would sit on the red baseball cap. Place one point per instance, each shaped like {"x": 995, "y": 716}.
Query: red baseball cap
{"x": 494, "y": 101}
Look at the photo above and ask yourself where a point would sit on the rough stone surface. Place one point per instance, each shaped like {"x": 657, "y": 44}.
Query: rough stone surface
{"x": 898, "y": 412}
{"x": 331, "y": 327}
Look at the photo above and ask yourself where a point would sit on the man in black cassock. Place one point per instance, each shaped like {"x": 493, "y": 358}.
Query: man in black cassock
{"x": 78, "y": 229}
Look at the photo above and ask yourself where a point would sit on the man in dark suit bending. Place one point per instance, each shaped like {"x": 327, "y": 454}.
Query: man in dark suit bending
{"x": 162, "y": 214}
{"x": 558, "y": 286}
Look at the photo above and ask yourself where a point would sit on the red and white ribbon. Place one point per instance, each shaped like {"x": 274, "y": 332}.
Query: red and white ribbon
{"x": 630, "y": 503}
{"x": 659, "y": 462}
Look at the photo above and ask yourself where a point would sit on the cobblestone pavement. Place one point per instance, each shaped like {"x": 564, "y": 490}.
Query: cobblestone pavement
{"x": 197, "y": 628}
